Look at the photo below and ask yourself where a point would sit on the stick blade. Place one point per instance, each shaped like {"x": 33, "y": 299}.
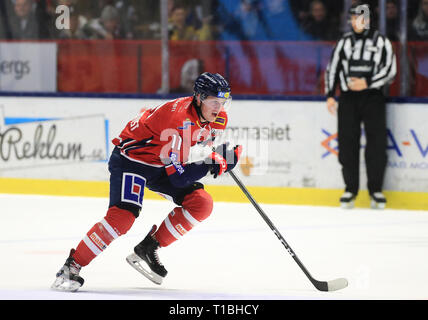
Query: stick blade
{"x": 337, "y": 284}
{"x": 332, "y": 285}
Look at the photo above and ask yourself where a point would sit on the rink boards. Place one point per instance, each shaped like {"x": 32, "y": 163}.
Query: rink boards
{"x": 61, "y": 146}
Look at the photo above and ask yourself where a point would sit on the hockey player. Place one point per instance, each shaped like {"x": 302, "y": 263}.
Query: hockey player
{"x": 153, "y": 152}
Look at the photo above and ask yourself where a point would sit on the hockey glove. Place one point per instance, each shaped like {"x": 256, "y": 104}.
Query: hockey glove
{"x": 224, "y": 159}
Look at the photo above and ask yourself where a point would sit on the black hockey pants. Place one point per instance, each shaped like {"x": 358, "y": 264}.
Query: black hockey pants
{"x": 367, "y": 107}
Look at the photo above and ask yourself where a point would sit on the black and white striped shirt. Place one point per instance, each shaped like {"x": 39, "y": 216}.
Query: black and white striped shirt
{"x": 369, "y": 55}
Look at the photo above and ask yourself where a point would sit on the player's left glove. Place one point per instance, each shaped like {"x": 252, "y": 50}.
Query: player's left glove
{"x": 224, "y": 159}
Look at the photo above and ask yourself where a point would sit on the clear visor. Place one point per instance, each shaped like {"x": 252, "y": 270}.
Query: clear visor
{"x": 218, "y": 104}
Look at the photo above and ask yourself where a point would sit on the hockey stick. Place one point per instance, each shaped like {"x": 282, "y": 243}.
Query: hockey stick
{"x": 332, "y": 285}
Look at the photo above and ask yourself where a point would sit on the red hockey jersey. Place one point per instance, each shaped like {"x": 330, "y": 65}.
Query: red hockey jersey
{"x": 167, "y": 131}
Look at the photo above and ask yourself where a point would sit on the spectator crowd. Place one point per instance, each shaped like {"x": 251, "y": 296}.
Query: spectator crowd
{"x": 198, "y": 20}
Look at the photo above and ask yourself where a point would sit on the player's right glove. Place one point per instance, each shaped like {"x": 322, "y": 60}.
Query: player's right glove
{"x": 224, "y": 159}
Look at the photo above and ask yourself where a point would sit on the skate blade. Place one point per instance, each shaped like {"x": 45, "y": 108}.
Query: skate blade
{"x": 65, "y": 285}
{"x": 347, "y": 205}
{"x": 139, "y": 264}
{"x": 377, "y": 205}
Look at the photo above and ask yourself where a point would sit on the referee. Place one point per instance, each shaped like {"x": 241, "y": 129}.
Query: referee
{"x": 362, "y": 63}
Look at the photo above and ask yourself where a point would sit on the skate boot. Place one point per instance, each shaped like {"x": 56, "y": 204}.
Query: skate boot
{"x": 145, "y": 259}
{"x": 67, "y": 278}
{"x": 347, "y": 200}
{"x": 377, "y": 200}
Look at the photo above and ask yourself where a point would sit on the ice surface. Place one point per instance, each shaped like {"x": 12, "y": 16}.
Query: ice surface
{"x": 231, "y": 255}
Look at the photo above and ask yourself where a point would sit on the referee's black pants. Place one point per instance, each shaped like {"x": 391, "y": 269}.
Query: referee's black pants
{"x": 367, "y": 107}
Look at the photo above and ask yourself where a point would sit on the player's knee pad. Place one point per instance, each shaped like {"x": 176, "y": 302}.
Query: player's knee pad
{"x": 119, "y": 220}
{"x": 199, "y": 204}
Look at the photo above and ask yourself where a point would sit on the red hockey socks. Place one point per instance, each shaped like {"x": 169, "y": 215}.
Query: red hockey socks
{"x": 116, "y": 223}
{"x": 196, "y": 207}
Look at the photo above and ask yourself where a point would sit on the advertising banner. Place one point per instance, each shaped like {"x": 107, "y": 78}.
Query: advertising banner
{"x": 294, "y": 144}
{"x": 407, "y": 147}
{"x": 279, "y": 142}
{"x": 286, "y": 143}
{"x": 52, "y": 142}
{"x": 50, "y": 147}
{"x": 28, "y": 66}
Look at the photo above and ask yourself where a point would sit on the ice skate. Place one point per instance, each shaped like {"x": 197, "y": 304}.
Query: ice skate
{"x": 347, "y": 200}
{"x": 145, "y": 259}
{"x": 67, "y": 278}
{"x": 377, "y": 200}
